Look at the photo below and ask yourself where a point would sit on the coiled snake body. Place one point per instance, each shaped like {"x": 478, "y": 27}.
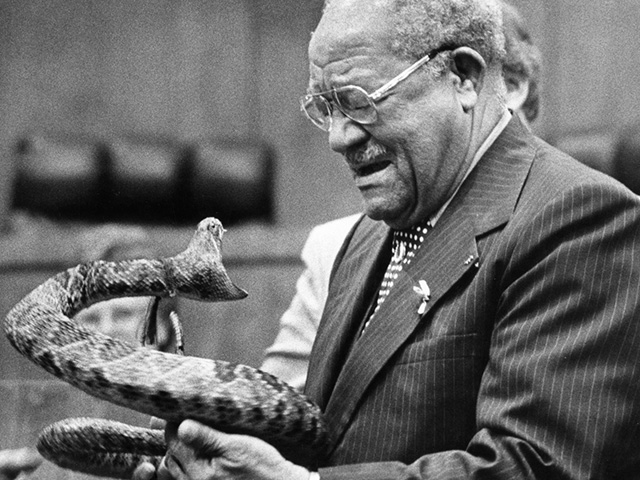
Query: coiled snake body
{"x": 230, "y": 397}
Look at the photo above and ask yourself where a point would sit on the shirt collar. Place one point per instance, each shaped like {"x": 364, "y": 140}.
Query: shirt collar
{"x": 491, "y": 138}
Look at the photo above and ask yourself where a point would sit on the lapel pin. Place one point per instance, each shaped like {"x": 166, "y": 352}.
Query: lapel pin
{"x": 424, "y": 291}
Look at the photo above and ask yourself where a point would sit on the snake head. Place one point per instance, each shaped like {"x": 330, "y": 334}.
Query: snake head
{"x": 208, "y": 238}
{"x": 211, "y": 226}
{"x": 198, "y": 272}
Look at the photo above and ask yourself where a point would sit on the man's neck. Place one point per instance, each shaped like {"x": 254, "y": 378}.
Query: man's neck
{"x": 488, "y": 139}
{"x": 485, "y": 116}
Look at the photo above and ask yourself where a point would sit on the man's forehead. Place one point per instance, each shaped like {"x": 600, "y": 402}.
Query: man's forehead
{"x": 350, "y": 28}
{"x": 353, "y": 5}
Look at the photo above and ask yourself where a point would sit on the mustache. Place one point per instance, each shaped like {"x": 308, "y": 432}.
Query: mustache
{"x": 360, "y": 155}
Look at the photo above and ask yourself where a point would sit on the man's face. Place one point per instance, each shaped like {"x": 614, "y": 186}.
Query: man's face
{"x": 405, "y": 164}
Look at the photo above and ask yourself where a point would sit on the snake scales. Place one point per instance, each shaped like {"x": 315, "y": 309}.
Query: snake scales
{"x": 230, "y": 397}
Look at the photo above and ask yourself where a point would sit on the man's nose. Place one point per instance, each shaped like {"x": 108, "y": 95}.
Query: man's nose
{"x": 345, "y": 133}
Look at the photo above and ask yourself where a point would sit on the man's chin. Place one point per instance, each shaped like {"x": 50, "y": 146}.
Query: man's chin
{"x": 380, "y": 213}
{"x": 395, "y": 218}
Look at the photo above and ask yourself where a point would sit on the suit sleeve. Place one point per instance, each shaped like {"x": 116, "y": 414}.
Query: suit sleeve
{"x": 559, "y": 397}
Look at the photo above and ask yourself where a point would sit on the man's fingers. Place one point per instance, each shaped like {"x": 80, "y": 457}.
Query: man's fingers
{"x": 173, "y": 466}
{"x": 197, "y": 452}
{"x": 205, "y": 441}
{"x": 144, "y": 471}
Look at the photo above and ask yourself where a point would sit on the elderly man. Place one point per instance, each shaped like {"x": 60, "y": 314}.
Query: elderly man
{"x": 288, "y": 356}
{"x": 481, "y": 319}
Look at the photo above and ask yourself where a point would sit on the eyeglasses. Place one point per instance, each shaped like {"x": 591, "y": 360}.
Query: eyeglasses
{"x": 354, "y": 102}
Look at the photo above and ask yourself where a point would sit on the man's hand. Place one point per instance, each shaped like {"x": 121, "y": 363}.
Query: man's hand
{"x": 15, "y": 462}
{"x": 147, "y": 471}
{"x": 197, "y": 452}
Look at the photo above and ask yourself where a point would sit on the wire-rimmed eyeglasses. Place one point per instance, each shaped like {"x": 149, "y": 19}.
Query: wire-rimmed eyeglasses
{"x": 354, "y": 102}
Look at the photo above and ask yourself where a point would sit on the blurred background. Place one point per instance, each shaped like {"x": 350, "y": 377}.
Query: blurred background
{"x": 196, "y": 70}
{"x": 157, "y": 113}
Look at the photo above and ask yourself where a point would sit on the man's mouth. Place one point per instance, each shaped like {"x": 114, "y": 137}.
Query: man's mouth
{"x": 371, "y": 168}
{"x": 368, "y": 161}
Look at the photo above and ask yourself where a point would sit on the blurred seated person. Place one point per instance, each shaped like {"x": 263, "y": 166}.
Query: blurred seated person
{"x": 288, "y": 357}
{"x": 124, "y": 318}
{"x": 19, "y": 461}
{"x": 522, "y": 66}
{"x": 626, "y": 157}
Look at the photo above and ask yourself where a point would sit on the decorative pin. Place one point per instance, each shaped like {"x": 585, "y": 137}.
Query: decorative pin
{"x": 424, "y": 291}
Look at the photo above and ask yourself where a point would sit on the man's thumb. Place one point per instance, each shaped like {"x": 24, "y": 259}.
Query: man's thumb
{"x": 205, "y": 441}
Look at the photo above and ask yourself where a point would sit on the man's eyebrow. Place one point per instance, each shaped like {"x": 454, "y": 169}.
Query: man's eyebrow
{"x": 313, "y": 87}
{"x": 316, "y": 91}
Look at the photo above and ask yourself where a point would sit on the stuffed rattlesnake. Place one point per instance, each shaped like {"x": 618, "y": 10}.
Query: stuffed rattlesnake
{"x": 230, "y": 397}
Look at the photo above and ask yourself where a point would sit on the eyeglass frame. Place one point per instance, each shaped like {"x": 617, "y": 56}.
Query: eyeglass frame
{"x": 372, "y": 98}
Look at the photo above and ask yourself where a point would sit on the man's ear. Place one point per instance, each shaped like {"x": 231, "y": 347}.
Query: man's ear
{"x": 469, "y": 66}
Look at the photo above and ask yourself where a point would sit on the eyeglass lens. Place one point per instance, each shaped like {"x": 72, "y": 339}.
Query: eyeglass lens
{"x": 318, "y": 110}
{"x": 355, "y": 103}
{"x": 352, "y": 101}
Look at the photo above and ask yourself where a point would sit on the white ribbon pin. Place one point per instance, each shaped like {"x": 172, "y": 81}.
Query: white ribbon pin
{"x": 424, "y": 291}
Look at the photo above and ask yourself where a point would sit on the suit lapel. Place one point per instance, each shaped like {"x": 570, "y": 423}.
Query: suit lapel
{"x": 441, "y": 261}
{"x": 485, "y": 202}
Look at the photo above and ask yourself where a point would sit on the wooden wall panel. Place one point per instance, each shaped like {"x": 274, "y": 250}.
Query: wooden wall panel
{"x": 581, "y": 63}
{"x": 153, "y": 66}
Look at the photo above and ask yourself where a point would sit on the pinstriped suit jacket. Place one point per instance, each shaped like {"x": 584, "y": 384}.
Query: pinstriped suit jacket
{"x": 526, "y": 363}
